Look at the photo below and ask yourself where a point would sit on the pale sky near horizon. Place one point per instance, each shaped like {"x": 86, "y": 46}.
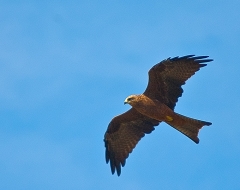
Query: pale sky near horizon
{"x": 66, "y": 68}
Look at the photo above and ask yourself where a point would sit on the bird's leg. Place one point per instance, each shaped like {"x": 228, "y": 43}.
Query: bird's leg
{"x": 169, "y": 118}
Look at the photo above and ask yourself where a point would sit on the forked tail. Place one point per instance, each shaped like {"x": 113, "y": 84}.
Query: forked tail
{"x": 188, "y": 126}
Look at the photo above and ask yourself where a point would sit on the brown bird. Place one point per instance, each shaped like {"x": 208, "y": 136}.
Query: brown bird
{"x": 155, "y": 105}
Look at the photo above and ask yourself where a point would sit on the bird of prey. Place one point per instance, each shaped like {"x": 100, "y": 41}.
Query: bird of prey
{"x": 155, "y": 105}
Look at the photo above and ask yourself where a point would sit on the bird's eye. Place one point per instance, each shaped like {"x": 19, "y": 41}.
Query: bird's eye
{"x": 129, "y": 99}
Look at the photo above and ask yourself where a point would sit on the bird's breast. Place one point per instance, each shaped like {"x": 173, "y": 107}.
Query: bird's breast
{"x": 154, "y": 109}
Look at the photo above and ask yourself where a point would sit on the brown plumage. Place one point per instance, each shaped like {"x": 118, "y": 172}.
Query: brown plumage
{"x": 155, "y": 105}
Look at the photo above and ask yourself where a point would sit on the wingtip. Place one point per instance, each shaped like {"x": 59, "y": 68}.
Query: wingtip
{"x": 197, "y": 141}
{"x": 208, "y": 123}
{"x": 118, "y": 173}
{"x": 115, "y": 167}
{"x": 183, "y": 57}
{"x": 112, "y": 167}
{"x": 187, "y": 56}
{"x": 199, "y": 59}
{"x": 204, "y": 61}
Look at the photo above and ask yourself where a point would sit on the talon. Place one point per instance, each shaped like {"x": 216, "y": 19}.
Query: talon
{"x": 169, "y": 118}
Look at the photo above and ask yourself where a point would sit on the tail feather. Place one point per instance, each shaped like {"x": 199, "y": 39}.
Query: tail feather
{"x": 188, "y": 126}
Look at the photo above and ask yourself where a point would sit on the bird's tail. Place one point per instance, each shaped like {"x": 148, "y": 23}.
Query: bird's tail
{"x": 188, "y": 126}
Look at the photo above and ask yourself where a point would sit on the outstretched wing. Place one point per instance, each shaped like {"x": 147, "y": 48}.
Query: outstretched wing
{"x": 122, "y": 135}
{"x": 167, "y": 77}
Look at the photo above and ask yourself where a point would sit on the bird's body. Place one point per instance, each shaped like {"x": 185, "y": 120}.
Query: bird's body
{"x": 154, "y": 109}
{"x": 155, "y": 105}
{"x": 151, "y": 108}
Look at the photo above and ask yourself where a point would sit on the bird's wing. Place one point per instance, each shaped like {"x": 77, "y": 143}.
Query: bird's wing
{"x": 167, "y": 77}
{"x": 122, "y": 135}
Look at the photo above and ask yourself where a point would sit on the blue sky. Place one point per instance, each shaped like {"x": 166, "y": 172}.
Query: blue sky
{"x": 66, "y": 68}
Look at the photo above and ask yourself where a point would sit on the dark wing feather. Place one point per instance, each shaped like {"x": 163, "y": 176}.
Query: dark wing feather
{"x": 122, "y": 135}
{"x": 167, "y": 77}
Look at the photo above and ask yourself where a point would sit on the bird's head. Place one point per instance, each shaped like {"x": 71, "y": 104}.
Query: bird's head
{"x": 131, "y": 99}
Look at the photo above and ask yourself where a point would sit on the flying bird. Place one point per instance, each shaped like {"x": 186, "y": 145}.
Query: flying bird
{"x": 155, "y": 105}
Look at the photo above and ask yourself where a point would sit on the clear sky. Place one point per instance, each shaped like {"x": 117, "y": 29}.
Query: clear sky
{"x": 66, "y": 68}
